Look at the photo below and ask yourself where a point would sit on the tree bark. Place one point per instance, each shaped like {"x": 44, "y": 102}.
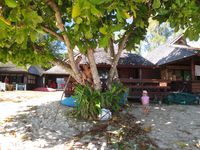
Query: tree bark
{"x": 48, "y": 30}
{"x": 61, "y": 27}
{"x": 112, "y": 56}
{"x": 116, "y": 59}
{"x": 94, "y": 71}
{"x": 57, "y": 61}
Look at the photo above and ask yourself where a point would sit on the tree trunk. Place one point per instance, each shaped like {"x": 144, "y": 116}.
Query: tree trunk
{"x": 116, "y": 60}
{"x": 94, "y": 71}
{"x": 67, "y": 68}
{"x": 112, "y": 56}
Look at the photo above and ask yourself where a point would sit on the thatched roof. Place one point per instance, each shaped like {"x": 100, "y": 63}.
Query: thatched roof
{"x": 126, "y": 58}
{"x": 170, "y": 52}
{"x": 56, "y": 70}
{"x": 101, "y": 57}
{"x": 11, "y": 68}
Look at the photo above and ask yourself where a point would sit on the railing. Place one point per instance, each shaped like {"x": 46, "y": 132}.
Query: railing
{"x": 155, "y": 87}
{"x": 195, "y": 86}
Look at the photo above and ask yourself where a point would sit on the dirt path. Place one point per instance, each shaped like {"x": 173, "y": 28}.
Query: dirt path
{"x": 31, "y": 123}
{"x": 175, "y": 127}
{"x": 31, "y": 120}
{"x": 11, "y": 102}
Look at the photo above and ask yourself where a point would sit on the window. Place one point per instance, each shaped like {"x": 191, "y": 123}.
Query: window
{"x": 31, "y": 79}
{"x": 60, "y": 83}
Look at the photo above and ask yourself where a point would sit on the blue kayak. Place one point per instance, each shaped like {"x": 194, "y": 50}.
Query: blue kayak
{"x": 69, "y": 101}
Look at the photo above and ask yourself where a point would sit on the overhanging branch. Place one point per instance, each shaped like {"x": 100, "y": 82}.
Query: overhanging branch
{"x": 56, "y": 61}
{"x": 61, "y": 27}
{"x": 46, "y": 29}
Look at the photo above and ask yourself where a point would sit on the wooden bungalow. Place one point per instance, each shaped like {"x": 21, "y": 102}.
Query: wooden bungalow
{"x": 19, "y": 78}
{"x": 130, "y": 66}
{"x": 55, "y": 75}
{"x": 134, "y": 71}
{"x": 179, "y": 64}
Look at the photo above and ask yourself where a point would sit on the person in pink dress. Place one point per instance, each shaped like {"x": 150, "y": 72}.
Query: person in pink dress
{"x": 145, "y": 102}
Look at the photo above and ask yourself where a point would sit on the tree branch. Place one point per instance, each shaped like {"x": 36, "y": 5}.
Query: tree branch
{"x": 116, "y": 59}
{"x": 59, "y": 37}
{"x": 112, "y": 57}
{"x": 111, "y": 48}
{"x": 57, "y": 61}
{"x": 55, "y": 8}
{"x": 64, "y": 66}
{"x": 61, "y": 27}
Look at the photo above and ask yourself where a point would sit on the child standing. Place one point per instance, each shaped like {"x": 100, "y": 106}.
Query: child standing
{"x": 145, "y": 102}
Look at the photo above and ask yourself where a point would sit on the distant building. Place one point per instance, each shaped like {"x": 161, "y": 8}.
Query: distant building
{"x": 21, "y": 77}
{"x": 178, "y": 63}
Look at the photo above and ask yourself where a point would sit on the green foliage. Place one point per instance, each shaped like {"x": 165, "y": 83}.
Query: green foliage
{"x": 157, "y": 34}
{"x": 111, "y": 98}
{"x": 11, "y": 3}
{"x": 156, "y": 3}
{"x": 90, "y": 101}
{"x": 181, "y": 15}
{"x": 88, "y": 23}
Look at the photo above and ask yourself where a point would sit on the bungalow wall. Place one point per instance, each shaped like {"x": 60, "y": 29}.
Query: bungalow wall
{"x": 31, "y": 81}
{"x": 151, "y": 73}
{"x": 181, "y": 73}
{"x": 133, "y": 73}
{"x": 58, "y": 79}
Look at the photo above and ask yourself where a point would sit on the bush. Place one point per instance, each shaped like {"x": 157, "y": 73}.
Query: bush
{"x": 90, "y": 101}
{"x": 112, "y": 98}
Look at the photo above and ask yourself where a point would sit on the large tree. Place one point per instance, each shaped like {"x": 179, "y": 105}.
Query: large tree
{"x": 28, "y": 26}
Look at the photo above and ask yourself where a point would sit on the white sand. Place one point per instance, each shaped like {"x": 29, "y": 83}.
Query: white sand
{"x": 173, "y": 127}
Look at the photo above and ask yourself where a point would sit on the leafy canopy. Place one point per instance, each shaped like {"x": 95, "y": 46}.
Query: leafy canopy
{"x": 25, "y": 39}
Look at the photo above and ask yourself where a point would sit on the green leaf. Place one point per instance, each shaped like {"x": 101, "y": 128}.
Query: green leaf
{"x": 103, "y": 30}
{"x": 156, "y": 4}
{"x": 33, "y": 36}
{"x": 76, "y": 10}
{"x": 79, "y": 20}
{"x": 15, "y": 15}
{"x": 76, "y": 27}
{"x": 4, "y": 23}
{"x": 117, "y": 27}
{"x": 60, "y": 2}
{"x": 95, "y": 11}
{"x": 3, "y": 34}
{"x": 86, "y": 5}
{"x": 88, "y": 35}
{"x": 126, "y": 15}
{"x": 31, "y": 17}
{"x": 20, "y": 36}
{"x": 119, "y": 16}
{"x": 11, "y": 3}
{"x": 98, "y": 2}
{"x": 103, "y": 42}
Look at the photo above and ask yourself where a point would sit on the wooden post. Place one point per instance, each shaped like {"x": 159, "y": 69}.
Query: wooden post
{"x": 140, "y": 73}
{"x": 192, "y": 69}
{"x": 43, "y": 80}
